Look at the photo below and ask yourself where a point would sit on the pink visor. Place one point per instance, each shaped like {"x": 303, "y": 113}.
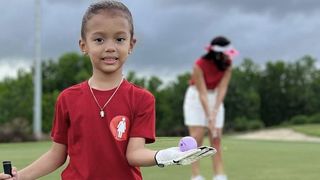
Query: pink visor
{"x": 229, "y": 50}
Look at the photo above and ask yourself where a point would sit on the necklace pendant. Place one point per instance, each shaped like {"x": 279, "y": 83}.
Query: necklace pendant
{"x": 102, "y": 114}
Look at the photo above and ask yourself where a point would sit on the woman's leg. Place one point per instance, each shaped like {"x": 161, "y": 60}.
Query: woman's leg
{"x": 217, "y": 158}
{"x": 198, "y": 133}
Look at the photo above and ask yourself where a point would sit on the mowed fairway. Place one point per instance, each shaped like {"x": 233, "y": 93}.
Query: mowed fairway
{"x": 244, "y": 160}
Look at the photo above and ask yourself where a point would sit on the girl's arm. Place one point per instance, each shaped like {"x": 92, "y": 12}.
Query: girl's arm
{"x": 202, "y": 89}
{"x": 138, "y": 154}
{"x": 222, "y": 88}
{"x": 46, "y": 164}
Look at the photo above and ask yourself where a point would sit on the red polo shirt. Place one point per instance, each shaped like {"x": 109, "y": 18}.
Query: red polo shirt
{"x": 212, "y": 75}
{"x": 97, "y": 146}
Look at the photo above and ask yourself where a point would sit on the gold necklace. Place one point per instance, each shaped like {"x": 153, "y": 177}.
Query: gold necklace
{"x": 102, "y": 113}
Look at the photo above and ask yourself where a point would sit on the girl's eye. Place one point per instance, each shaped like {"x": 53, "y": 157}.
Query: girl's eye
{"x": 98, "y": 40}
{"x": 121, "y": 39}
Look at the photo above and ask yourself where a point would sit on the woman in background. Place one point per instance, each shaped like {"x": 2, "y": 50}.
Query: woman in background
{"x": 203, "y": 104}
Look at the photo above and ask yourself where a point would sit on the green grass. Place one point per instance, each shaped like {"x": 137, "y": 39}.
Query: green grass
{"x": 309, "y": 129}
{"x": 244, "y": 160}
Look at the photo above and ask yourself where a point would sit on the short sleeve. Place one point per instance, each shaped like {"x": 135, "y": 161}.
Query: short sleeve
{"x": 144, "y": 119}
{"x": 59, "y": 132}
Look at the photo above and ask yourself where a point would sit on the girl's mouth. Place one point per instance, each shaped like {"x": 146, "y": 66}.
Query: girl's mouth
{"x": 110, "y": 60}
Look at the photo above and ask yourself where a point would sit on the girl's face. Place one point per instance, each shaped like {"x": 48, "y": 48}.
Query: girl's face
{"x": 108, "y": 42}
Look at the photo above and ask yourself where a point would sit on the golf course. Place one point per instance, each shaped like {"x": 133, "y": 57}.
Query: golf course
{"x": 244, "y": 159}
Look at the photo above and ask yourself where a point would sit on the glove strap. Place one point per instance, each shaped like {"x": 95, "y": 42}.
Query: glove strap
{"x": 155, "y": 159}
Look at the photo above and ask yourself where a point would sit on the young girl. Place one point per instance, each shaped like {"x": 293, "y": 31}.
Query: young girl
{"x": 102, "y": 124}
{"x": 203, "y": 105}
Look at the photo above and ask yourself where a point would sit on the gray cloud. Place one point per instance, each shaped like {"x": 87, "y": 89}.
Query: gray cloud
{"x": 172, "y": 34}
{"x": 15, "y": 28}
{"x": 272, "y": 7}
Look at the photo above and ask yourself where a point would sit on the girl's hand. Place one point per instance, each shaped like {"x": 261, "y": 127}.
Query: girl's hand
{"x": 15, "y": 173}
{"x": 4, "y": 176}
{"x": 8, "y": 177}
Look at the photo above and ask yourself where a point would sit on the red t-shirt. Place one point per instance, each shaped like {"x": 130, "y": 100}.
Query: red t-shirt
{"x": 97, "y": 146}
{"x": 212, "y": 75}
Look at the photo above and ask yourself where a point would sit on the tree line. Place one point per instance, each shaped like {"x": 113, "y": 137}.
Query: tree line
{"x": 258, "y": 96}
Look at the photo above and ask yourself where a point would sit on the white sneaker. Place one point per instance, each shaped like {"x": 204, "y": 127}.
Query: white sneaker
{"x": 199, "y": 177}
{"x": 220, "y": 177}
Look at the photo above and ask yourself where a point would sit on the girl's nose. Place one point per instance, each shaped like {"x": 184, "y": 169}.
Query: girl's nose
{"x": 110, "y": 46}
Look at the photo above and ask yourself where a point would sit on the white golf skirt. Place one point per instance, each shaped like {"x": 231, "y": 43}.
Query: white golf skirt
{"x": 194, "y": 114}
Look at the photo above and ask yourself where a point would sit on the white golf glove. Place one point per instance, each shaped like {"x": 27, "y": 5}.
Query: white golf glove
{"x": 173, "y": 155}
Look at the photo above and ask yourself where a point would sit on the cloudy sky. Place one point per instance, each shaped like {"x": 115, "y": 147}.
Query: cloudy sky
{"x": 171, "y": 33}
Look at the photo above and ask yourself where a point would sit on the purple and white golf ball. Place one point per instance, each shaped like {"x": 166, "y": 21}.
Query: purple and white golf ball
{"x": 187, "y": 143}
